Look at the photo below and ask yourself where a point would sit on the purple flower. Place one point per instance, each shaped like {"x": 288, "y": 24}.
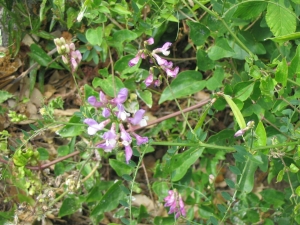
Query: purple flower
{"x": 134, "y": 61}
{"x": 148, "y": 81}
{"x": 122, "y": 114}
{"x": 240, "y": 133}
{"x": 128, "y": 153}
{"x": 172, "y": 73}
{"x": 110, "y": 140}
{"x": 159, "y": 60}
{"x": 140, "y": 140}
{"x": 138, "y": 118}
{"x": 94, "y": 126}
{"x": 150, "y": 41}
{"x": 164, "y": 49}
{"x": 125, "y": 136}
{"x": 121, "y": 98}
{"x": 174, "y": 201}
{"x": 157, "y": 83}
{"x": 106, "y": 112}
{"x": 103, "y": 98}
{"x": 93, "y": 100}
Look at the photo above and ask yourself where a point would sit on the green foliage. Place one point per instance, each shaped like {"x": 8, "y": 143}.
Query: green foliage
{"x": 243, "y": 54}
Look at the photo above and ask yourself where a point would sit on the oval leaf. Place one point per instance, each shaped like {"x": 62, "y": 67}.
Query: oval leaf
{"x": 186, "y": 83}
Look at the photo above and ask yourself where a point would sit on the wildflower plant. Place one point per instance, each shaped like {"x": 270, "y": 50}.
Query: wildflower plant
{"x": 227, "y": 91}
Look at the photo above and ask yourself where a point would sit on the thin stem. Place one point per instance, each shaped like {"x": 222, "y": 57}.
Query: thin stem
{"x": 132, "y": 182}
{"x": 235, "y": 192}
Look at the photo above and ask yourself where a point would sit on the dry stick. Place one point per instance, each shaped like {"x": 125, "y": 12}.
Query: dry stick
{"x": 41, "y": 167}
{"x": 31, "y": 68}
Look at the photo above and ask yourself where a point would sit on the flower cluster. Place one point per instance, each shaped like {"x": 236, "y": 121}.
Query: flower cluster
{"x": 68, "y": 52}
{"x": 114, "y": 110}
{"x": 241, "y": 132}
{"x": 163, "y": 64}
{"x": 174, "y": 201}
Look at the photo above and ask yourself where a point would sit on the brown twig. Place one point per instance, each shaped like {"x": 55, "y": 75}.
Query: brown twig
{"x": 44, "y": 166}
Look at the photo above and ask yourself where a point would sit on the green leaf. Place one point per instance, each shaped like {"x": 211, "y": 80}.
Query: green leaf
{"x": 94, "y": 36}
{"x": 198, "y": 32}
{"x": 4, "y": 95}
{"x": 267, "y": 85}
{"x": 236, "y": 112}
{"x": 146, "y": 97}
{"x": 186, "y": 83}
{"x": 121, "y": 168}
{"x": 216, "y": 80}
{"x": 71, "y": 16}
{"x": 180, "y": 163}
{"x": 160, "y": 189}
{"x": 110, "y": 200}
{"x": 247, "y": 178}
{"x": 203, "y": 61}
{"x": 44, "y": 154}
{"x": 124, "y": 35}
{"x": 261, "y": 135}
{"x": 107, "y": 85}
{"x": 243, "y": 90}
{"x": 280, "y": 19}
{"x": 122, "y": 65}
{"x": 249, "y": 10}
{"x": 294, "y": 68}
{"x": 297, "y": 191}
{"x": 294, "y": 168}
{"x": 120, "y": 10}
{"x": 69, "y": 206}
{"x": 280, "y": 175}
{"x": 41, "y": 57}
{"x": 220, "y": 50}
{"x": 285, "y": 38}
{"x": 235, "y": 170}
{"x": 273, "y": 197}
{"x": 282, "y": 72}
{"x": 72, "y": 130}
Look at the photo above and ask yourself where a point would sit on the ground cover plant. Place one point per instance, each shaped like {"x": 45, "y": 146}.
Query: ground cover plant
{"x": 150, "y": 112}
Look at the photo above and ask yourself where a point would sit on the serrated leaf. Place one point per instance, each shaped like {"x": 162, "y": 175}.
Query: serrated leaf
{"x": 186, "y": 83}
{"x": 280, "y": 19}
{"x": 180, "y": 163}
{"x": 282, "y": 72}
{"x": 146, "y": 97}
{"x": 94, "y": 36}
{"x": 198, "y": 32}
{"x": 249, "y": 10}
